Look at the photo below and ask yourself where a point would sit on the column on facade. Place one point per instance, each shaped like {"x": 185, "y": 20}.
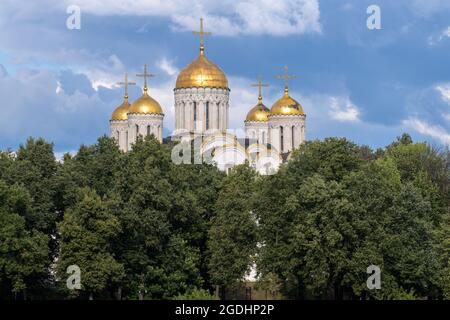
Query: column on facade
{"x": 223, "y": 116}
{"x": 287, "y": 138}
{"x": 274, "y": 133}
{"x": 177, "y": 115}
{"x": 227, "y": 111}
{"x": 189, "y": 116}
{"x": 201, "y": 116}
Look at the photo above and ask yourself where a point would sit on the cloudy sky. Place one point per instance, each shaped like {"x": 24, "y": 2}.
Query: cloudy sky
{"x": 367, "y": 85}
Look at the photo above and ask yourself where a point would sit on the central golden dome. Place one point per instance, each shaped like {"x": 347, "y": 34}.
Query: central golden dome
{"x": 146, "y": 105}
{"x": 202, "y": 73}
{"x": 259, "y": 112}
{"x": 286, "y": 106}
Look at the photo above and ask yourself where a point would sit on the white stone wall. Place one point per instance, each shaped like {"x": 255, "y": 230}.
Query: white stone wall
{"x": 257, "y": 130}
{"x": 190, "y": 100}
{"x": 119, "y": 131}
{"x": 144, "y": 124}
{"x": 291, "y": 128}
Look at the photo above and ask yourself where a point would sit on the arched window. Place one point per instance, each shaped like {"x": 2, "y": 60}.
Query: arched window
{"x": 293, "y": 137}
{"x": 218, "y": 115}
{"x": 207, "y": 114}
{"x": 263, "y": 137}
{"x": 281, "y": 139}
{"x": 137, "y": 131}
{"x": 183, "y": 106}
{"x": 148, "y": 130}
{"x": 195, "y": 112}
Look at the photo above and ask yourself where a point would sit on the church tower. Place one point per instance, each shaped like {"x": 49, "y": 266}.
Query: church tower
{"x": 145, "y": 116}
{"x": 119, "y": 119}
{"x": 201, "y": 96}
{"x": 286, "y": 121}
{"x": 257, "y": 120}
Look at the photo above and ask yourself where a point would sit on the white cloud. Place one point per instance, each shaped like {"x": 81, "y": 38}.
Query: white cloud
{"x": 446, "y": 32}
{"x": 104, "y": 73}
{"x": 445, "y": 92}
{"x": 167, "y": 66}
{"x": 342, "y": 109}
{"x": 227, "y": 17}
{"x": 434, "y": 131}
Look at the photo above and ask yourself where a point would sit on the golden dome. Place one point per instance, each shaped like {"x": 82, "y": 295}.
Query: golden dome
{"x": 202, "y": 73}
{"x": 259, "y": 112}
{"x": 121, "y": 111}
{"x": 146, "y": 105}
{"x": 286, "y": 106}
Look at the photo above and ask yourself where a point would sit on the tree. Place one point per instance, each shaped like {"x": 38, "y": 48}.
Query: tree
{"x": 87, "y": 232}
{"x": 23, "y": 254}
{"x": 232, "y": 237}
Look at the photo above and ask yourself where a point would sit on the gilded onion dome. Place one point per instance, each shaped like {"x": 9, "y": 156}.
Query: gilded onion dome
{"x": 286, "y": 106}
{"x": 120, "y": 113}
{"x": 259, "y": 112}
{"x": 146, "y": 105}
{"x": 202, "y": 73}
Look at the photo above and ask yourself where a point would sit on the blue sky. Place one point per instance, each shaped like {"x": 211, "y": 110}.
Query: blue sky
{"x": 366, "y": 85}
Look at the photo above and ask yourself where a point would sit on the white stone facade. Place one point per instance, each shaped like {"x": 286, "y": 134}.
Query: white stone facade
{"x": 126, "y": 131}
{"x": 201, "y": 110}
{"x": 257, "y": 131}
{"x": 119, "y": 131}
{"x": 286, "y": 132}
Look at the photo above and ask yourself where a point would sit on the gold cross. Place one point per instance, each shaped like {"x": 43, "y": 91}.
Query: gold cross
{"x": 126, "y": 83}
{"x": 286, "y": 76}
{"x": 202, "y": 33}
{"x": 259, "y": 85}
{"x": 145, "y": 75}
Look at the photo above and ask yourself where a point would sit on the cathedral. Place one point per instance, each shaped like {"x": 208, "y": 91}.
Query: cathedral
{"x": 202, "y": 115}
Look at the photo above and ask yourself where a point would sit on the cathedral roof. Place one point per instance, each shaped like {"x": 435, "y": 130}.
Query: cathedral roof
{"x": 120, "y": 113}
{"x": 259, "y": 112}
{"x": 146, "y": 105}
{"x": 286, "y": 106}
{"x": 202, "y": 73}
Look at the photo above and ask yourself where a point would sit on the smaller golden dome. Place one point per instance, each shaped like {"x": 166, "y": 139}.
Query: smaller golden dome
{"x": 286, "y": 106}
{"x": 146, "y": 105}
{"x": 120, "y": 113}
{"x": 259, "y": 112}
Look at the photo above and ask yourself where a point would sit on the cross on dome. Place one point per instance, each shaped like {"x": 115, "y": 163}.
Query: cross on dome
{"x": 145, "y": 75}
{"x": 202, "y": 33}
{"x": 126, "y": 83}
{"x": 259, "y": 85}
{"x": 286, "y": 77}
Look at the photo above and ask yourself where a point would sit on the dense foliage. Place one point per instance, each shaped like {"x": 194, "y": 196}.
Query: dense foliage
{"x": 141, "y": 227}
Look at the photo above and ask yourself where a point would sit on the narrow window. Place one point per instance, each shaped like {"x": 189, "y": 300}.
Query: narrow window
{"x": 195, "y": 112}
{"x": 183, "y": 106}
{"x": 207, "y": 115}
{"x": 148, "y": 130}
{"x": 218, "y": 115}
{"x": 281, "y": 139}
{"x": 293, "y": 137}
{"x": 263, "y": 137}
{"x": 137, "y": 131}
